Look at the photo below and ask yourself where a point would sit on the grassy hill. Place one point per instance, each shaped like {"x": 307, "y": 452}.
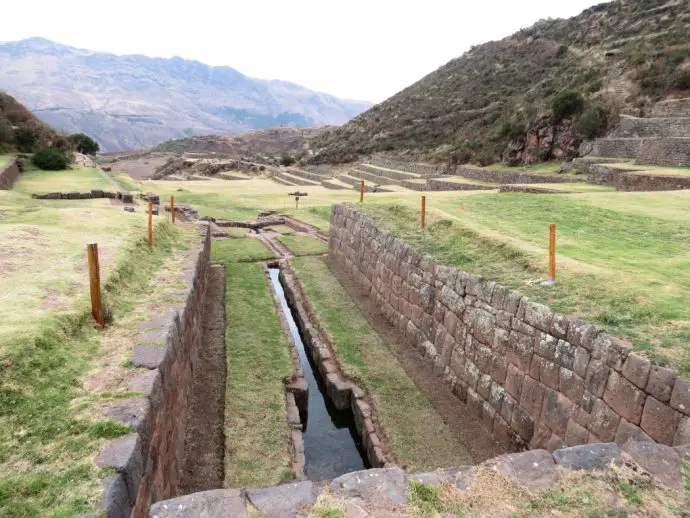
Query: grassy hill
{"x": 496, "y": 101}
{"x": 21, "y": 130}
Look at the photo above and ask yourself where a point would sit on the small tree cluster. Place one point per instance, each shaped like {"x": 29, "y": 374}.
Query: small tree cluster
{"x": 567, "y": 103}
{"x": 591, "y": 124}
{"x": 51, "y": 159}
{"x": 287, "y": 160}
{"x": 84, "y": 144}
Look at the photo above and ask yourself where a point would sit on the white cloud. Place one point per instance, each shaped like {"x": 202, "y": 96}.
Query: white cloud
{"x": 356, "y": 49}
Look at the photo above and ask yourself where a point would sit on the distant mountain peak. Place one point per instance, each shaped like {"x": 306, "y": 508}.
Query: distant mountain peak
{"x": 134, "y": 101}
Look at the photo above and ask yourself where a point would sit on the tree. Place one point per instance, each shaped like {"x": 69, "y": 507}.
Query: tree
{"x": 591, "y": 124}
{"x": 567, "y": 103}
{"x": 51, "y": 159}
{"x": 84, "y": 144}
{"x": 287, "y": 160}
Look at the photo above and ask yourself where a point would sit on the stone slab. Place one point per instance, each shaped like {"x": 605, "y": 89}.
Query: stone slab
{"x": 282, "y": 501}
{"x": 379, "y": 485}
{"x": 149, "y": 356}
{"x": 535, "y": 469}
{"x": 589, "y": 456}
{"x": 217, "y": 503}
{"x": 662, "y": 462}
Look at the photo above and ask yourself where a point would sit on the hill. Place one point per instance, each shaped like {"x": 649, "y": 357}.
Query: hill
{"x": 496, "y": 101}
{"x": 266, "y": 142}
{"x": 129, "y": 102}
{"x": 21, "y": 130}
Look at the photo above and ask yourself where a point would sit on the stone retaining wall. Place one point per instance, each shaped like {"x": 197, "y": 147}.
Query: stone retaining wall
{"x": 9, "y": 175}
{"x": 623, "y": 148}
{"x": 533, "y": 378}
{"x": 484, "y": 175}
{"x": 671, "y": 152}
{"x": 409, "y": 167}
{"x": 671, "y": 108}
{"x": 650, "y": 182}
{"x": 656, "y": 127}
{"x": 125, "y": 196}
{"x": 436, "y": 184}
{"x": 149, "y": 462}
{"x": 531, "y": 190}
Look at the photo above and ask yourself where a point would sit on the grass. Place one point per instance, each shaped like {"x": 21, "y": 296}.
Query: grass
{"x": 625, "y": 270}
{"x": 418, "y": 437}
{"x": 48, "y": 430}
{"x": 5, "y": 159}
{"x": 126, "y": 181}
{"x": 243, "y": 250}
{"x": 653, "y": 169}
{"x": 545, "y": 168}
{"x": 71, "y": 180}
{"x": 282, "y": 229}
{"x": 256, "y": 430}
{"x": 304, "y": 245}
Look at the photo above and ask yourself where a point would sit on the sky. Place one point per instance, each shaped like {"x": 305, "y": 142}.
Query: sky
{"x": 355, "y": 49}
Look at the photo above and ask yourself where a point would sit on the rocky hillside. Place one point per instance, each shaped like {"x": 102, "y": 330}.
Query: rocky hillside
{"x": 129, "y": 102}
{"x": 534, "y": 95}
{"x": 271, "y": 142}
{"x": 21, "y": 130}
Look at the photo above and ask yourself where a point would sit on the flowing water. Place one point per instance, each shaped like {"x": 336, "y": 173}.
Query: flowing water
{"x": 332, "y": 446}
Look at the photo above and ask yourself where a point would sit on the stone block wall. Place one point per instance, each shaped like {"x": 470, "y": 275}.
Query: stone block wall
{"x": 650, "y": 182}
{"x": 533, "y": 378}
{"x": 483, "y": 175}
{"x": 409, "y": 167}
{"x": 672, "y": 152}
{"x": 149, "y": 462}
{"x": 656, "y": 127}
{"x": 616, "y": 147}
{"x": 9, "y": 175}
{"x": 671, "y": 108}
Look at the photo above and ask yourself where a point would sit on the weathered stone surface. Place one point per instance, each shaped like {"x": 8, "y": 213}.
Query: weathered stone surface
{"x": 628, "y": 431}
{"x": 282, "y": 500}
{"x": 555, "y": 443}
{"x": 575, "y": 434}
{"x": 519, "y": 350}
{"x": 660, "y": 421}
{"x": 604, "y": 422}
{"x": 556, "y": 411}
{"x": 559, "y": 326}
{"x": 589, "y": 456}
{"x": 115, "y": 501}
{"x": 461, "y": 477}
{"x": 523, "y": 424}
{"x": 124, "y": 455}
{"x": 536, "y": 469}
{"x": 539, "y": 316}
{"x": 149, "y": 356}
{"x": 380, "y": 485}
{"x": 680, "y": 397}
{"x": 133, "y": 412}
{"x": 581, "y": 361}
{"x": 612, "y": 351}
{"x": 571, "y": 385}
{"x": 217, "y": 503}
{"x": 514, "y": 379}
{"x": 636, "y": 369}
{"x": 662, "y": 462}
{"x": 596, "y": 377}
{"x": 660, "y": 384}
{"x": 532, "y": 397}
{"x": 683, "y": 451}
{"x": 683, "y": 432}
{"x": 624, "y": 398}
{"x": 581, "y": 333}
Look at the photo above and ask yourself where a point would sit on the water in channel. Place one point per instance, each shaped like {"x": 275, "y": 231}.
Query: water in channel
{"x": 332, "y": 446}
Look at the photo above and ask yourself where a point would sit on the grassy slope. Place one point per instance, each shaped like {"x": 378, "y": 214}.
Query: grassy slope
{"x": 73, "y": 180}
{"x": 242, "y": 250}
{"x": 48, "y": 431}
{"x": 256, "y": 430}
{"x": 5, "y": 159}
{"x": 625, "y": 270}
{"x": 304, "y": 245}
{"x": 419, "y": 438}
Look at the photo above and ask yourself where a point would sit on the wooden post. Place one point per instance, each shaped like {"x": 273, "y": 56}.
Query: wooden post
{"x": 172, "y": 208}
{"x": 552, "y": 253}
{"x": 423, "y": 211}
{"x": 361, "y": 191}
{"x": 150, "y": 224}
{"x": 95, "y": 284}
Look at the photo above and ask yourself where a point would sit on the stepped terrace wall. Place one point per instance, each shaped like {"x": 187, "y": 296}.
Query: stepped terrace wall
{"x": 650, "y": 182}
{"x": 671, "y": 108}
{"x": 658, "y": 127}
{"x": 483, "y": 175}
{"x": 149, "y": 463}
{"x": 533, "y": 378}
{"x": 672, "y": 152}
{"x": 9, "y": 175}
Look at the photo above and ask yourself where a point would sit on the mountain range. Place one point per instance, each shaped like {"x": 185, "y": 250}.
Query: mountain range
{"x": 135, "y": 101}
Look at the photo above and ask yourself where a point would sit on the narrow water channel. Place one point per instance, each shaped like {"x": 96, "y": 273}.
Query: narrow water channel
{"x": 332, "y": 446}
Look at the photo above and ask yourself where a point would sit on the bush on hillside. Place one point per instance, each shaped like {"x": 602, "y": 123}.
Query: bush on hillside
{"x": 51, "y": 159}
{"x": 591, "y": 124}
{"x": 84, "y": 144}
{"x": 567, "y": 103}
{"x": 27, "y": 138}
{"x": 287, "y": 160}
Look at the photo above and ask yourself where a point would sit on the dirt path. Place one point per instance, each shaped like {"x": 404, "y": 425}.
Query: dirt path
{"x": 204, "y": 439}
{"x": 466, "y": 429}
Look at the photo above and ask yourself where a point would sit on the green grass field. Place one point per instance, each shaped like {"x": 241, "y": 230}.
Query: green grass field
{"x": 419, "y": 438}
{"x": 73, "y": 180}
{"x": 4, "y": 160}
{"x": 242, "y": 250}
{"x": 258, "y": 358}
{"x": 304, "y": 245}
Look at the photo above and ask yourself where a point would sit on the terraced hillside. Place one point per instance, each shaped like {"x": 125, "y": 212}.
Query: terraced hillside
{"x": 496, "y": 101}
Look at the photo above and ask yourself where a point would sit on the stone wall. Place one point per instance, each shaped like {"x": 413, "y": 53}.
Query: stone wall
{"x": 672, "y": 108}
{"x": 672, "y": 152}
{"x": 650, "y": 182}
{"x": 657, "y": 127}
{"x": 483, "y": 175}
{"x": 622, "y": 148}
{"x": 533, "y": 378}
{"x": 9, "y": 175}
{"x": 409, "y": 167}
{"x": 149, "y": 461}
{"x": 436, "y": 184}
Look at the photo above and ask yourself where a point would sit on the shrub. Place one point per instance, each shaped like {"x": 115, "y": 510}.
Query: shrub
{"x": 511, "y": 130}
{"x": 51, "y": 159}
{"x": 84, "y": 144}
{"x": 682, "y": 80}
{"x": 567, "y": 103}
{"x": 27, "y": 138}
{"x": 287, "y": 160}
{"x": 591, "y": 124}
